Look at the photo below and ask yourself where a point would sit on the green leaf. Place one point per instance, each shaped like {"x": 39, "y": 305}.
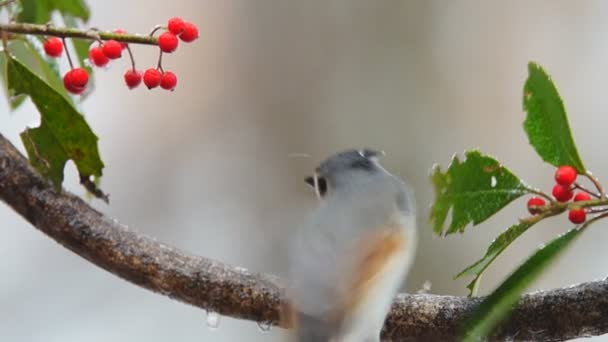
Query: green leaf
{"x": 29, "y": 52}
{"x": 14, "y": 101}
{"x": 63, "y": 133}
{"x": 35, "y": 11}
{"x": 547, "y": 123}
{"x": 499, "y": 304}
{"x": 40, "y": 11}
{"x": 474, "y": 190}
{"x": 498, "y": 246}
{"x": 45, "y": 67}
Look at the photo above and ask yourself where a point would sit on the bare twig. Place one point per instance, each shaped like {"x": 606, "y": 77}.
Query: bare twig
{"x": 596, "y": 182}
{"x": 588, "y": 191}
{"x": 64, "y": 32}
{"x": 554, "y": 315}
{"x": 540, "y": 193}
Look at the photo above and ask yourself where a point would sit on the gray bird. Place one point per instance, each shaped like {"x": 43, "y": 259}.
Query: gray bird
{"x": 351, "y": 257}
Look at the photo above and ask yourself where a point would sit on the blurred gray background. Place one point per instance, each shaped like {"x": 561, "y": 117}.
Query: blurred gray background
{"x": 207, "y": 168}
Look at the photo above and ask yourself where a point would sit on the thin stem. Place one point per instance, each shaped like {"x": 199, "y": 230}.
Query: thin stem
{"x": 597, "y": 210}
{"x": 159, "y": 66}
{"x": 131, "y": 57}
{"x": 67, "y": 53}
{"x": 584, "y": 189}
{"x": 591, "y": 221}
{"x": 156, "y": 28}
{"x": 64, "y": 32}
{"x": 596, "y": 183}
{"x": 540, "y": 193}
{"x": 547, "y": 211}
{"x": 557, "y": 208}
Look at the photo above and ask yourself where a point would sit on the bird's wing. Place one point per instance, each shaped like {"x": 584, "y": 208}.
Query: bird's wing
{"x": 381, "y": 262}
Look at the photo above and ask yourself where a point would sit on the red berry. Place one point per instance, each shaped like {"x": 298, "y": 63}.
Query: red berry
{"x": 565, "y": 175}
{"x": 132, "y": 78}
{"x": 53, "y": 47}
{"x": 577, "y": 216}
{"x": 152, "y": 78}
{"x": 112, "y": 49}
{"x": 97, "y": 57}
{"x": 175, "y": 25}
{"x": 535, "y": 201}
{"x": 168, "y": 81}
{"x": 582, "y": 196}
{"x": 75, "y": 80}
{"x": 167, "y": 42}
{"x": 121, "y": 31}
{"x": 190, "y": 32}
{"x": 562, "y": 193}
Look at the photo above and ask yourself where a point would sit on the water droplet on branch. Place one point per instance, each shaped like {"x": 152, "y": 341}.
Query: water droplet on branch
{"x": 265, "y": 326}
{"x": 213, "y": 320}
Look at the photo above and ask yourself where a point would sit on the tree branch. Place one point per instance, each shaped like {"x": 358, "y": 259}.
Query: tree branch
{"x": 555, "y": 315}
{"x": 66, "y": 32}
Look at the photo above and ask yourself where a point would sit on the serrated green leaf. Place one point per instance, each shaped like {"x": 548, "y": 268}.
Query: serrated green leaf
{"x": 547, "y": 123}
{"x": 499, "y": 304}
{"x": 40, "y": 11}
{"x": 63, "y": 133}
{"x": 496, "y": 247}
{"x": 474, "y": 190}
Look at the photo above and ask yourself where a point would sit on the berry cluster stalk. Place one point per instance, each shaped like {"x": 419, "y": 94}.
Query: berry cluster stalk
{"x": 64, "y": 32}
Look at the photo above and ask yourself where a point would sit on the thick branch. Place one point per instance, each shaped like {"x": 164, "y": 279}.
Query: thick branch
{"x": 554, "y": 315}
{"x": 65, "y": 32}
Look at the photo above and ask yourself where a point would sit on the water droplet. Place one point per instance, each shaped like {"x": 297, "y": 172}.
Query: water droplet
{"x": 213, "y": 320}
{"x": 493, "y": 182}
{"x": 426, "y": 287}
{"x": 265, "y": 326}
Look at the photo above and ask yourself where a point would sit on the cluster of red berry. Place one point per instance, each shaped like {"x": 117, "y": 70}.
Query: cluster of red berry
{"x": 75, "y": 80}
{"x": 563, "y": 191}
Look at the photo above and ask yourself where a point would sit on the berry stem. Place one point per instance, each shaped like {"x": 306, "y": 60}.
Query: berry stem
{"x": 591, "y": 221}
{"x": 597, "y": 210}
{"x": 584, "y": 189}
{"x": 556, "y": 208}
{"x": 65, "y": 32}
{"x": 155, "y": 29}
{"x": 540, "y": 193}
{"x": 159, "y": 66}
{"x": 67, "y": 53}
{"x": 131, "y": 57}
{"x": 596, "y": 183}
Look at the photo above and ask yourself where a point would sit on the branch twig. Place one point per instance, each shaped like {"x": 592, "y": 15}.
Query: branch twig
{"x": 555, "y": 315}
{"x": 64, "y": 32}
{"x": 596, "y": 182}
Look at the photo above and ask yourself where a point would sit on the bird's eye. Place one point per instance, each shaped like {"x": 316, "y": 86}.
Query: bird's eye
{"x": 321, "y": 186}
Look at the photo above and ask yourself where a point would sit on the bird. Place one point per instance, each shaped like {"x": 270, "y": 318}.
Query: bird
{"x": 351, "y": 256}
